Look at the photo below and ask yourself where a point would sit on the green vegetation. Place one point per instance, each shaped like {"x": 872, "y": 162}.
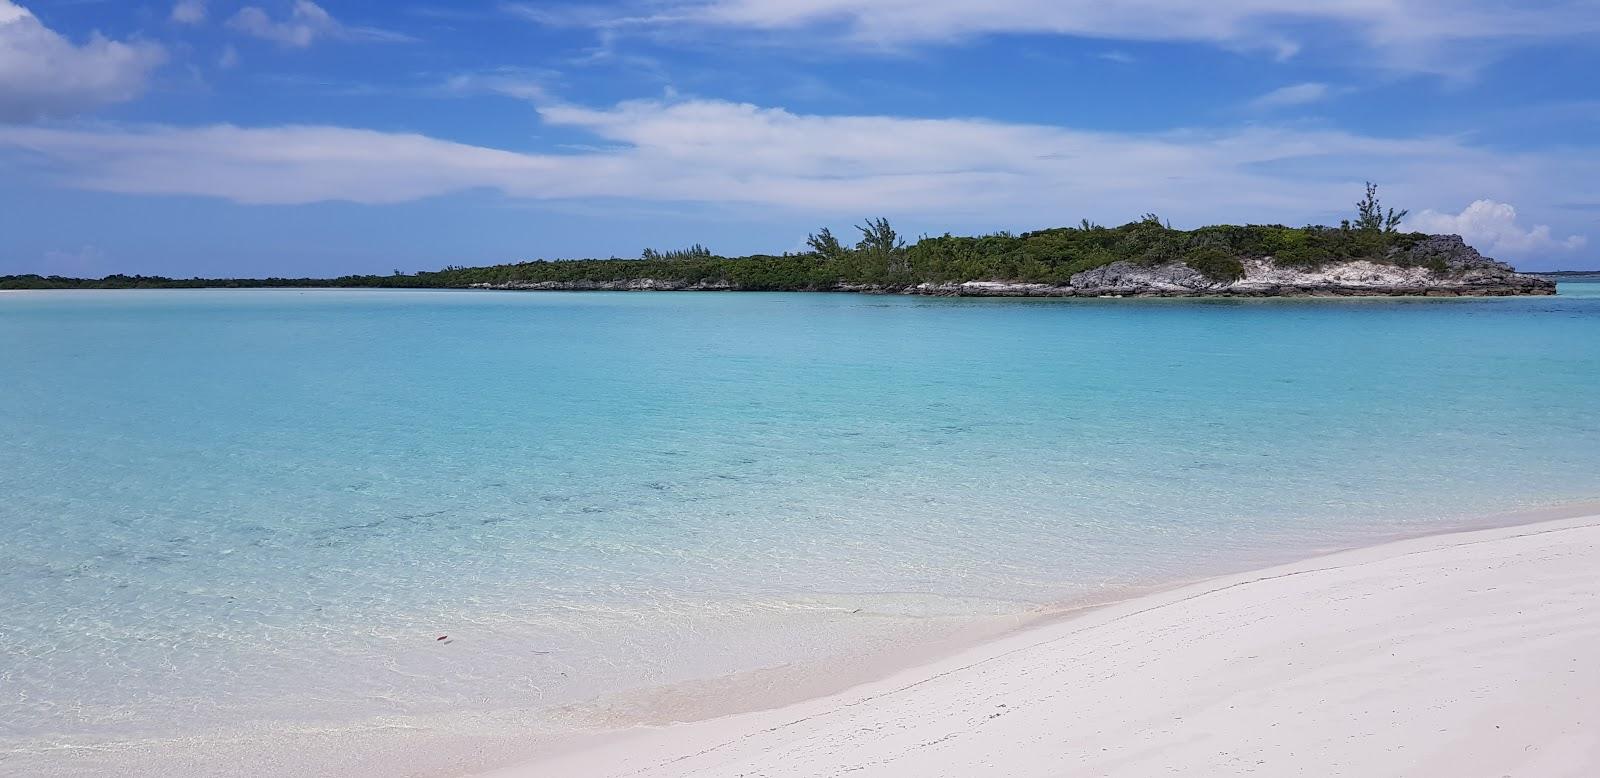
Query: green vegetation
{"x": 696, "y": 251}
{"x": 881, "y": 258}
{"x": 1370, "y": 215}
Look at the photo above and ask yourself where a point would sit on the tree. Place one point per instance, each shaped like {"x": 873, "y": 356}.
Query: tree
{"x": 877, "y": 237}
{"x": 825, "y": 244}
{"x": 1370, "y": 216}
{"x": 880, "y": 241}
{"x": 696, "y": 251}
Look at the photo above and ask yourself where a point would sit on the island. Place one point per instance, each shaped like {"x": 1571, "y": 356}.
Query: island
{"x": 1421, "y": 265}
{"x": 1367, "y": 256}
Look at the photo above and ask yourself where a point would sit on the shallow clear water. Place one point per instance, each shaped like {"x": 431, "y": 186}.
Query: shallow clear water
{"x": 223, "y": 508}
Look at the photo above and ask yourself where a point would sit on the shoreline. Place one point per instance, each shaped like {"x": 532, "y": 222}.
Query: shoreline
{"x": 968, "y": 289}
{"x": 1142, "y": 290}
{"x": 647, "y": 749}
{"x": 635, "y": 723}
{"x": 736, "y": 693}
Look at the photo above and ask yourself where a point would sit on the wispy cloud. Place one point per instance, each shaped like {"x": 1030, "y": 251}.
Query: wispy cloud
{"x": 305, "y": 24}
{"x": 720, "y": 152}
{"x": 1296, "y": 94}
{"x": 44, "y": 74}
{"x": 453, "y": 13}
{"x": 579, "y": 15}
{"x": 1406, "y": 34}
{"x": 188, "y": 12}
{"x": 516, "y": 83}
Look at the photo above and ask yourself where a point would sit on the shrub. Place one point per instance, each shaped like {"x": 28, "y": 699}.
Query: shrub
{"x": 1215, "y": 263}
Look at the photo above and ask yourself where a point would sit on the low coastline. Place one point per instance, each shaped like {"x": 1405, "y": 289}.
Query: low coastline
{"x": 1441, "y": 266}
{"x": 1359, "y": 263}
{"x": 1027, "y": 289}
{"x": 824, "y": 734}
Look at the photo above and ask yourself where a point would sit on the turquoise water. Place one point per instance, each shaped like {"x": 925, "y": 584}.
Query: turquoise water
{"x": 229, "y": 508}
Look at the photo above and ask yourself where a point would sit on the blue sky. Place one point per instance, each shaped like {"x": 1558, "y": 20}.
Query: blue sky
{"x": 255, "y": 137}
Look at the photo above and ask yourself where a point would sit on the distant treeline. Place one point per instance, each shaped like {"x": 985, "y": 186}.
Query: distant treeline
{"x": 119, "y": 281}
{"x": 881, "y": 258}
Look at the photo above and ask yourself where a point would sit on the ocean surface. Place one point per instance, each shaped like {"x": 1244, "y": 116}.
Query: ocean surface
{"x": 222, "y": 511}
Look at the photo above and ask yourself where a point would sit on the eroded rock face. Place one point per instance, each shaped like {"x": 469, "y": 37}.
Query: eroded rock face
{"x": 992, "y": 289}
{"x": 1455, "y": 253}
{"x": 1262, "y": 278}
{"x": 1124, "y": 277}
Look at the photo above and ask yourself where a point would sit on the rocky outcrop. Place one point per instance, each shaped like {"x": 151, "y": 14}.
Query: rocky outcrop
{"x": 1439, "y": 266}
{"x": 1129, "y": 278}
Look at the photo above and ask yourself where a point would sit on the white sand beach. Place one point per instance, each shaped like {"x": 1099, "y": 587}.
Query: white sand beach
{"x": 1469, "y": 654}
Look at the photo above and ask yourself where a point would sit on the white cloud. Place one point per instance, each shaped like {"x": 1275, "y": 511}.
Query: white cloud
{"x": 1287, "y": 96}
{"x": 305, "y": 24}
{"x": 273, "y": 165}
{"x": 189, "y": 11}
{"x": 1493, "y": 228}
{"x": 44, "y": 74}
{"x": 229, "y": 58}
{"x": 708, "y": 151}
{"x": 1410, "y": 34}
